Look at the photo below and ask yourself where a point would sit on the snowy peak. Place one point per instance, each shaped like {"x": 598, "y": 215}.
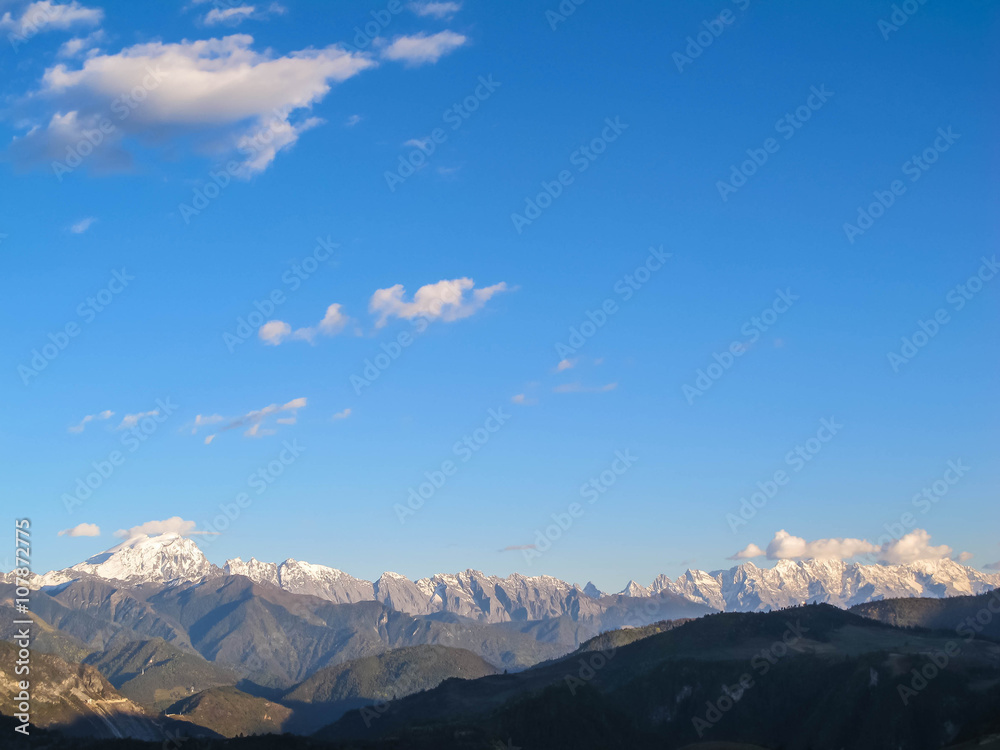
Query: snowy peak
{"x": 171, "y": 558}
{"x": 634, "y": 589}
{"x": 164, "y": 558}
{"x": 791, "y": 582}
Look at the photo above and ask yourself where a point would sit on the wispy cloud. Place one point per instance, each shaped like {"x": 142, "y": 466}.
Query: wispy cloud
{"x": 580, "y": 388}
{"x": 523, "y": 400}
{"x": 254, "y": 420}
{"x": 130, "y": 420}
{"x": 79, "y": 427}
{"x": 47, "y": 16}
{"x": 420, "y": 49}
{"x": 435, "y": 9}
{"x": 515, "y": 547}
{"x": 353, "y": 120}
{"x": 83, "y": 225}
{"x": 565, "y": 364}
{"x": 82, "y": 529}
{"x": 205, "y": 419}
{"x": 234, "y": 15}
{"x": 342, "y": 414}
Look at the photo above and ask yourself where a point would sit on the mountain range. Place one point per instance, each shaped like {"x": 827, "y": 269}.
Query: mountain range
{"x": 172, "y": 559}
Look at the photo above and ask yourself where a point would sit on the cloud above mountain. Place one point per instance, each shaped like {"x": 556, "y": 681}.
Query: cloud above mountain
{"x": 909, "y": 548}
{"x": 82, "y": 529}
{"x": 172, "y": 525}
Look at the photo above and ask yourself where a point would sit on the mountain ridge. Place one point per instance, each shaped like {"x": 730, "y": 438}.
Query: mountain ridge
{"x": 171, "y": 559}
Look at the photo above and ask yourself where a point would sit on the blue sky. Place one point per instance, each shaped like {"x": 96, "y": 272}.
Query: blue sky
{"x": 333, "y": 112}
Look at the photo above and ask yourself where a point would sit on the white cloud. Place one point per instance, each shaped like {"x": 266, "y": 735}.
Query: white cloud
{"x": 446, "y": 300}
{"x": 202, "y": 420}
{"x": 172, "y": 525}
{"x": 907, "y": 549}
{"x": 420, "y": 49}
{"x": 275, "y": 331}
{"x": 79, "y": 44}
{"x": 106, "y": 414}
{"x": 751, "y": 550}
{"x": 83, "y": 225}
{"x": 253, "y": 420}
{"x": 565, "y": 364}
{"x": 912, "y": 547}
{"x": 965, "y": 556}
{"x": 435, "y": 9}
{"x": 234, "y": 15}
{"x": 352, "y": 120}
{"x": 82, "y": 529}
{"x": 580, "y": 388}
{"x": 213, "y": 96}
{"x": 784, "y": 546}
{"x": 237, "y": 14}
{"x": 342, "y": 414}
{"x": 130, "y": 420}
{"x": 45, "y": 15}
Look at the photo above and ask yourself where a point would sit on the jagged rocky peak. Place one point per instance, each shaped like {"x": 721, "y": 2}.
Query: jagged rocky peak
{"x": 170, "y": 558}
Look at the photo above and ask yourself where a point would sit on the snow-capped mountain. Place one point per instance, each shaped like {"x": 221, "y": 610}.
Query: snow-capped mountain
{"x": 171, "y": 559}
{"x": 164, "y": 558}
{"x": 748, "y": 587}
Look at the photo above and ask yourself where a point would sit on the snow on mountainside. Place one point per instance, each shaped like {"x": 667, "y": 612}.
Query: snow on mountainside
{"x": 144, "y": 559}
{"x": 171, "y": 558}
{"x": 748, "y": 587}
